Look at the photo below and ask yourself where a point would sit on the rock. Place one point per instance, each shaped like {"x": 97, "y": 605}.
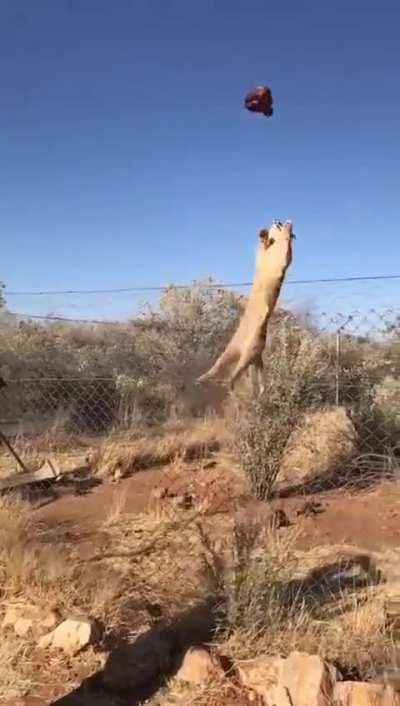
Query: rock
{"x": 325, "y": 441}
{"x": 26, "y": 618}
{"x": 198, "y": 666}
{"x": 263, "y": 675}
{"x": 72, "y": 636}
{"x": 364, "y": 694}
{"x": 299, "y": 680}
{"x": 309, "y": 680}
{"x": 132, "y": 666}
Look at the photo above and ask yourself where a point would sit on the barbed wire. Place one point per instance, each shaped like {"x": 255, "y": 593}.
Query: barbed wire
{"x": 211, "y": 285}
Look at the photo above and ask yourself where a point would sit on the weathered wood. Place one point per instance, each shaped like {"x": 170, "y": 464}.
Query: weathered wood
{"x": 48, "y": 472}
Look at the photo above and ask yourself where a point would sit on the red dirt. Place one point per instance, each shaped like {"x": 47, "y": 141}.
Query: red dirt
{"x": 368, "y": 520}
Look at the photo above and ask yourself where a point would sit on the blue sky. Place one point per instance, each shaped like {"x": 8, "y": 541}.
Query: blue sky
{"x": 127, "y": 157}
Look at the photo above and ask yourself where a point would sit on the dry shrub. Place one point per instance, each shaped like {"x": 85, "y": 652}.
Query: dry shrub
{"x": 368, "y": 388}
{"x": 262, "y": 426}
{"x": 322, "y": 445}
{"x": 120, "y": 374}
{"x": 271, "y": 603}
{"x": 250, "y": 577}
{"x": 387, "y": 402}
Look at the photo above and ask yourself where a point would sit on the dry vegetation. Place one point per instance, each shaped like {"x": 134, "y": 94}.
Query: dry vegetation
{"x": 68, "y": 385}
{"x": 147, "y": 569}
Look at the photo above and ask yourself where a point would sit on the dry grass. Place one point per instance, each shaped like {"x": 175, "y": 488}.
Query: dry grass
{"x": 323, "y": 445}
{"x": 26, "y": 557}
{"x": 276, "y": 599}
{"x": 116, "y": 508}
{"x": 171, "y": 560}
{"x": 126, "y": 452}
{"x": 15, "y": 677}
{"x": 268, "y": 608}
{"x": 220, "y": 691}
{"x": 37, "y": 566}
{"x": 188, "y": 440}
{"x": 355, "y": 639}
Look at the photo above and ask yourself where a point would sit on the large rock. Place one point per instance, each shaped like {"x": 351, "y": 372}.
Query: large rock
{"x": 198, "y": 667}
{"x": 364, "y": 694}
{"x": 72, "y": 636}
{"x": 325, "y": 441}
{"x": 25, "y": 619}
{"x": 133, "y": 666}
{"x": 308, "y": 679}
{"x": 299, "y": 680}
{"x": 263, "y": 675}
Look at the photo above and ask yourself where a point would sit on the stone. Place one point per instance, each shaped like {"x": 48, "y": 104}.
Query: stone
{"x": 71, "y": 636}
{"x": 365, "y": 694}
{"x": 25, "y": 618}
{"x": 198, "y": 667}
{"x": 299, "y": 680}
{"x": 133, "y": 666}
{"x": 308, "y": 679}
{"x": 263, "y": 676}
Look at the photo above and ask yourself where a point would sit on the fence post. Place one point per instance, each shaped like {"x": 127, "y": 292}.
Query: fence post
{"x": 339, "y": 358}
{"x": 337, "y": 375}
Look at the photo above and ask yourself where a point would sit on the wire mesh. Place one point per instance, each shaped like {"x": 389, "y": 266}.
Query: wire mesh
{"x": 97, "y": 378}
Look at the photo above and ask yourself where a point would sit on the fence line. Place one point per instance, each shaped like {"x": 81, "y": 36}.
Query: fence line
{"x": 360, "y": 355}
{"x": 212, "y": 285}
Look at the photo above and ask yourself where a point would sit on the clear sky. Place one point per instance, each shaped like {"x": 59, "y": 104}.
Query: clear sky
{"x": 127, "y": 157}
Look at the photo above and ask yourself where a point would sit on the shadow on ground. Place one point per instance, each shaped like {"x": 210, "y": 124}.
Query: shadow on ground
{"x": 141, "y": 668}
{"x": 323, "y": 591}
{"x": 355, "y": 478}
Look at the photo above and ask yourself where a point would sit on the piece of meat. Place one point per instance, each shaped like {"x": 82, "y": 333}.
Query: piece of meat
{"x": 259, "y": 100}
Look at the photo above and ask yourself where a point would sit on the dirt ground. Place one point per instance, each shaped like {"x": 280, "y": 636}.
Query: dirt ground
{"x": 368, "y": 520}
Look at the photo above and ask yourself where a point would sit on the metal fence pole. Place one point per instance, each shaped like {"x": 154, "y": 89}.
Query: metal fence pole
{"x": 338, "y": 366}
{"x": 338, "y": 363}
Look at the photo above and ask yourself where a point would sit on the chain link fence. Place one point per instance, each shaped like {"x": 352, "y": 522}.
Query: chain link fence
{"x": 149, "y": 369}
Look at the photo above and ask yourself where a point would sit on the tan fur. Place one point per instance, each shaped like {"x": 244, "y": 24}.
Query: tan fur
{"x": 274, "y": 255}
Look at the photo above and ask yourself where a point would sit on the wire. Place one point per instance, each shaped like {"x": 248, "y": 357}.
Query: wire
{"x": 41, "y": 317}
{"x": 159, "y": 288}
